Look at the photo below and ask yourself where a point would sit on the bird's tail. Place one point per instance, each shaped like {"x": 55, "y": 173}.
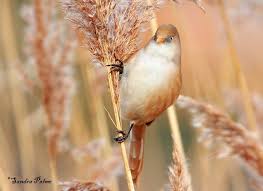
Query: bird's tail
{"x": 136, "y": 151}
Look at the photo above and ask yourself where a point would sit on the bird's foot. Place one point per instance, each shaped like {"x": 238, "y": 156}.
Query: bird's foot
{"x": 121, "y": 137}
{"x": 118, "y": 67}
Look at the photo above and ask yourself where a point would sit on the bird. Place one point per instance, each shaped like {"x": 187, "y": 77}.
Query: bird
{"x": 150, "y": 82}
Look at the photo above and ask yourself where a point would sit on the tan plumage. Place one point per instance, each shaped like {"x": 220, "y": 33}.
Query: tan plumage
{"x": 151, "y": 82}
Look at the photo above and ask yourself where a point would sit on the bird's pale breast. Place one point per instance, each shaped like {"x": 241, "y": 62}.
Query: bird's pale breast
{"x": 149, "y": 85}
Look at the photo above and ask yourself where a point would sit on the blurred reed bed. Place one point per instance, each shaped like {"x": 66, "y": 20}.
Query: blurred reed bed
{"x": 48, "y": 49}
{"x": 242, "y": 84}
{"x": 17, "y": 107}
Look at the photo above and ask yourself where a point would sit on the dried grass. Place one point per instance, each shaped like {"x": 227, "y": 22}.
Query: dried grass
{"x": 48, "y": 51}
{"x": 217, "y": 127}
{"x": 110, "y": 27}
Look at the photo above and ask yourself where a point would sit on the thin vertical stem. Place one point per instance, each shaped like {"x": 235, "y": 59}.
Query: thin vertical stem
{"x": 171, "y": 112}
{"x": 237, "y": 66}
{"x": 175, "y": 129}
{"x": 112, "y": 81}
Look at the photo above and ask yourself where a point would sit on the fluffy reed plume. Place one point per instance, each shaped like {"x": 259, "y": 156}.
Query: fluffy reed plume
{"x": 82, "y": 186}
{"x": 178, "y": 176}
{"x": 217, "y": 127}
{"x": 111, "y": 29}
{"x": 48, "y": 49}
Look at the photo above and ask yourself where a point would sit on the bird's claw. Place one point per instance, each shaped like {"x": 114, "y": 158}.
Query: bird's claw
{"x": 116, "y": 68}
{"x": 121, "y": 138}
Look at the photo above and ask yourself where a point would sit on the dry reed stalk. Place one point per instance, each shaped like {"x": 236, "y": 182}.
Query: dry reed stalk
{"x": 237, "y": 66}
{"x": 82, "y": 186}
{"x": 18, "y": 100}
{"x": 178, "y": 176}
{"x": 171, "y": 110}
{"x": 49, "y": 50}
{"x": 217, "y": 127}
{"x": 175, "y": 129}
{"x": 111, "y": 29}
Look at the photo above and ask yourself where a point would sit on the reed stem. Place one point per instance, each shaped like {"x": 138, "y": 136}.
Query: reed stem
{"x": 175, "y": 130}
{"x": 53, "y": 170}
{"x": 171, "y": 112}
{"x": 112, "y": 84}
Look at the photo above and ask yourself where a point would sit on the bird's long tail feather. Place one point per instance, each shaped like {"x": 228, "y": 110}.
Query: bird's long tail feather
{"x": 136, "y": 151}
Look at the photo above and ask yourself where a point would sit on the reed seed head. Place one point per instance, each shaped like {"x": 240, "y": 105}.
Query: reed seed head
{"x": 110, "y": 27}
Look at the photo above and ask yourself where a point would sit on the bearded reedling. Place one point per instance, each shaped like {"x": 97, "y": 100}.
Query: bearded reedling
{"x": 150, "y": 83}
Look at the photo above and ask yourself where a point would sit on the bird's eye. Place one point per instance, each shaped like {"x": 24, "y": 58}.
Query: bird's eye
{"x": 169, "y": 39}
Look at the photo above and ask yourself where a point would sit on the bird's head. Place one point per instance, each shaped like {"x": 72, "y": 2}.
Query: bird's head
{"x": 166, "y": 34}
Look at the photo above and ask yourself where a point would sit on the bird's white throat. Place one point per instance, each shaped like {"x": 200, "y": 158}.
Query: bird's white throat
{"x": 165, "y": 50}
